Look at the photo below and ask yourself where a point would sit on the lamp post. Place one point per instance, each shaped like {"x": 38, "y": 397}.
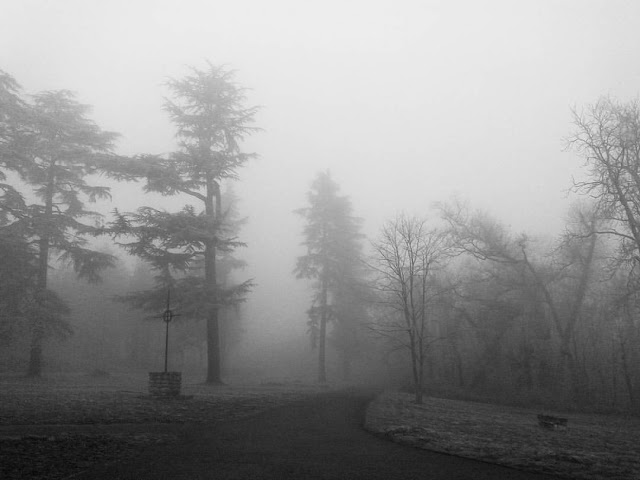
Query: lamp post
{"x": 167, "y": 316}
{"x": 165, "y": 384}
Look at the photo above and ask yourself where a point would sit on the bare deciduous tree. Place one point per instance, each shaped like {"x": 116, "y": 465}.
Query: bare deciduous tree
{"x": 561, "y": 278}
{"x": 607, "y": 135}
{"x": 408, "y": 258}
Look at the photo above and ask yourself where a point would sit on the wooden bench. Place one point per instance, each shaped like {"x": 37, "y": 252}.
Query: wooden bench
{"x": 552, "y": 423}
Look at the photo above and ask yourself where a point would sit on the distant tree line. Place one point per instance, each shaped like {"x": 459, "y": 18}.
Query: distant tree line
{"x": 472, "y": 309}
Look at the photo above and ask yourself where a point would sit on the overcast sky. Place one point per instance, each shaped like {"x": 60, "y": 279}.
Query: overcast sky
{"x": 406, "y": 102}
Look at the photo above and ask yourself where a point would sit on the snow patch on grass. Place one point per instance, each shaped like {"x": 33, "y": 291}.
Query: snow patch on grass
{"x": 593, "y": 447}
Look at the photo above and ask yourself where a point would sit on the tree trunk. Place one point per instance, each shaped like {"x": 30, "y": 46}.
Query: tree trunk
{"x": 213, "y": 326}
{"x": 626, "y": 372}
{"x": 346, "y": 367}
{"x": 35, "y": 351}
{"x": 213, "y": 348}
{"x": 37, "y": 327}
{"x": 457, "y": 361}
{"x": 420, "y": 382}
{"x": 568, "y": 375}
{"x": 419, "y": 385}
{"x": 416, "y": 370}
{"x": 322, "y": 369}
{"x": 614, "y": 375}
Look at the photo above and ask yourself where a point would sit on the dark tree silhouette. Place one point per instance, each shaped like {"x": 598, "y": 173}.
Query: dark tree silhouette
{"x": 332, "y": 261}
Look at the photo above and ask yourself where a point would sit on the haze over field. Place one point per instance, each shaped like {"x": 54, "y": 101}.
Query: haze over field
{"x": 406, "y": 102}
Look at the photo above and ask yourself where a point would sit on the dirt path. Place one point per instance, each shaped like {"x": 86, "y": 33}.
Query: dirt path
{"x": 319, "y": 438}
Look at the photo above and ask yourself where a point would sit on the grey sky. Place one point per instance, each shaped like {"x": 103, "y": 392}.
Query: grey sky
{"x": 406, "y": 102}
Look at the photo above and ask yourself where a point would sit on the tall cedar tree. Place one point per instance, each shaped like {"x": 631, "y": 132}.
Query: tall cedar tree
{"x": 55, "y": 152}
{"x": 17, "y": 256}
{"x": 209, "y": 113}
{"x": 333, "y": 253}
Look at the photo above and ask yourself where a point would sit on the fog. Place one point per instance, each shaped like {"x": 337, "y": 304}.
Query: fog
{"x": 407, "y": 103}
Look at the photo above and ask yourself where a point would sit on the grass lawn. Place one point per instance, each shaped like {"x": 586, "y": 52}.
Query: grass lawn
{"x": 61, "y": 425}
{"x": 85, "y": 400}
{"x": 592, "y": 446}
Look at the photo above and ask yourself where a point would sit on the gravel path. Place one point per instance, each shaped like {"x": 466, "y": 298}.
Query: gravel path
{"x": 320, "y": 438}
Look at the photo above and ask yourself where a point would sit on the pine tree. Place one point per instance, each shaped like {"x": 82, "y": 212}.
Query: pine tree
{"x": 332, "y": 261}
{"x": 209, "y": 113}
{"x": 54, "y": 154}
{"x": 17, "y": 256}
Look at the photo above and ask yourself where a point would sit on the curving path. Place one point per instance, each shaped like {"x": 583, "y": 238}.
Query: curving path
{"x": 320, "y": 438}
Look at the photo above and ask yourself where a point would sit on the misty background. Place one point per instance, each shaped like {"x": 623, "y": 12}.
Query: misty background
{"x": 407, "y": 103}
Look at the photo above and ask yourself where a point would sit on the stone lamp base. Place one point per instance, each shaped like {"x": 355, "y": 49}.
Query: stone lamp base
{"x": 165, "y": 384}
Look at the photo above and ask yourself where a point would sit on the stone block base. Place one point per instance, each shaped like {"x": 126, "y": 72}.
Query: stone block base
{"x": 165, "y": 384}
